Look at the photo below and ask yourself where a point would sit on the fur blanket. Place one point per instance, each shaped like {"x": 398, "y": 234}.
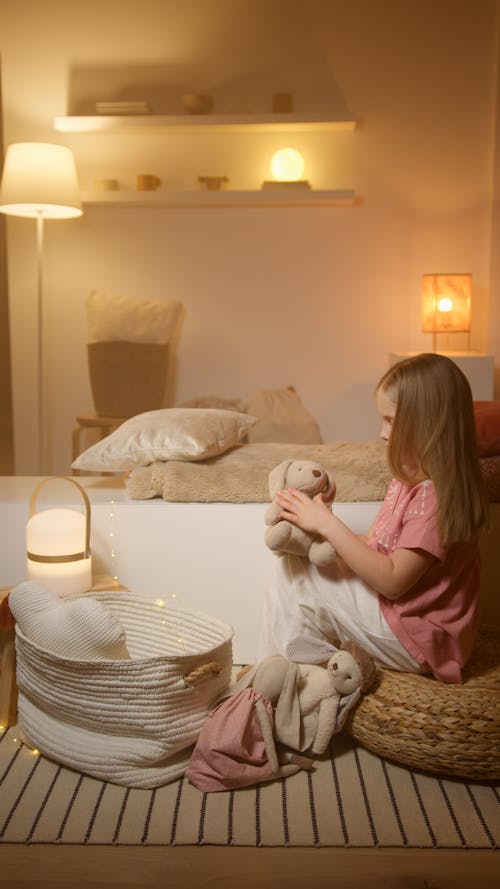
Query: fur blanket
{"x": 241, "y": 475}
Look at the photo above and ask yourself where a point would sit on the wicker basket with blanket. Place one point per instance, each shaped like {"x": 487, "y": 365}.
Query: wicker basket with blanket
{"x": 131, "y": 719}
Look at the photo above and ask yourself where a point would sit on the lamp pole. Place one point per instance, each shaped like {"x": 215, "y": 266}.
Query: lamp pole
{"x": 39, "y": 181}
{"x": 40, "y": 352}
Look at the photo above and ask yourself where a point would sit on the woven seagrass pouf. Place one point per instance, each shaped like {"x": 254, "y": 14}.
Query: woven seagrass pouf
{"x": 435, "y": 727}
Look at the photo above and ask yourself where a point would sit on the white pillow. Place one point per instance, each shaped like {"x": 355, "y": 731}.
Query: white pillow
{"x": 113, "y": 317}
{"x": 167, "y": 434}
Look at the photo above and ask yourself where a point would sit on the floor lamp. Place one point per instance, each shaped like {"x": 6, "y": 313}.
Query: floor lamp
{"x": 39, "y": 181}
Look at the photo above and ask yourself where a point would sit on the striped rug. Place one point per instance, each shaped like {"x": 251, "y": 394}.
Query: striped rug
{"x": 351, "y": 798}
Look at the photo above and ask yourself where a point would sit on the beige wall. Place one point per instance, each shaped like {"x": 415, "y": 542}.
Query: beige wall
{"x": 313, "y": 297}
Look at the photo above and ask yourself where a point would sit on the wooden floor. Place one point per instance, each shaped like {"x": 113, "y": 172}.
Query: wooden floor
{"x": 209, "y": 867}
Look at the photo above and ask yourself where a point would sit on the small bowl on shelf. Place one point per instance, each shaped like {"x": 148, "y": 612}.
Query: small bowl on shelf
{"x": 196, "y": 103}
{"x": 212, "y": 183}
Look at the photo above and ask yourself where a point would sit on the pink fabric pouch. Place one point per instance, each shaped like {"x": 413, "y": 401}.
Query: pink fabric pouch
{"x": 230, "y": 751}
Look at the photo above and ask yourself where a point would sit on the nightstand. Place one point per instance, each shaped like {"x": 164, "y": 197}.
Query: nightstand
{"x": 8, "y": 687}
{"x": 477, "y": 367}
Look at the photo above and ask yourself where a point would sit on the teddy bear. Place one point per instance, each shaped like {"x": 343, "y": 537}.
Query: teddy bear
{"x": 282, "y": 536}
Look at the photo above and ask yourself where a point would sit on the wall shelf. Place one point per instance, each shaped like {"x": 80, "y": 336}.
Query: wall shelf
{"x": 222, "y": 199}
{"x": 151, "y": 124}
{"x": 207, "y": 123}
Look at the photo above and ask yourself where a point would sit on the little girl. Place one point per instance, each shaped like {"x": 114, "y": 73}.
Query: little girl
{"x": 408, "y": 592}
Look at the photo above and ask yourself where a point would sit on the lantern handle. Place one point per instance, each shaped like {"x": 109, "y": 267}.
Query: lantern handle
{"x": 85, "y": 499}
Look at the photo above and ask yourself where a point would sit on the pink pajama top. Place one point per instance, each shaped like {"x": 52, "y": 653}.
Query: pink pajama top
{"x": 437, "y": 620}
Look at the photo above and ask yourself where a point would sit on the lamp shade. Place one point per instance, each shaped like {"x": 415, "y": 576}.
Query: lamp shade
{"x": 39, "y": 179}
{"x": 446, "y": 303}
{"x": 58, "y": 547}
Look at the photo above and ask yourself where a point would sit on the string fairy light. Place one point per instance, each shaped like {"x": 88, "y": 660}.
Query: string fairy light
{"x": 163, "y": 605}
{"x": 20, "y": 743}
{"x": 112, "y": 551}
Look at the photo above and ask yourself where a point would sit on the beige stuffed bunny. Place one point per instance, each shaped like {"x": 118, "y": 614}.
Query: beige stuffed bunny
{"x": 312, "y": 702}
{"x": 281, "y": 536}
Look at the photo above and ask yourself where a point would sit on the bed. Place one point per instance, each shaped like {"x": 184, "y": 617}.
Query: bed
{"x": 183, "y": 518}
{"x": 189, "y": 533}
{"x": 179, "y": 515}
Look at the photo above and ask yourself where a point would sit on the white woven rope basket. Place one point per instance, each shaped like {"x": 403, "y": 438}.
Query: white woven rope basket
{"x": 134, "y": 721}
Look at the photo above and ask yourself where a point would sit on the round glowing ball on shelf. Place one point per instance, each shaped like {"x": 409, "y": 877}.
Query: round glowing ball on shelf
{"x": 287, "y": 165}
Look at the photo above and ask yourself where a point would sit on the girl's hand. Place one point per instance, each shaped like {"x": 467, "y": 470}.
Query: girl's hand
{"x": 298, "y": 508}
{"x": 391, "y": 575}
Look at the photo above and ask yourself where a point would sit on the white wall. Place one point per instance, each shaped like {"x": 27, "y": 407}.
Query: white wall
{"x": 313, "y": 297}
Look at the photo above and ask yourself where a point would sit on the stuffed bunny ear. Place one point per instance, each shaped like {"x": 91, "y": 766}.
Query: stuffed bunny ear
{"x": 277, "y": 477}
{"x": 346, "y": 703}
{"x": 287, "y": 721}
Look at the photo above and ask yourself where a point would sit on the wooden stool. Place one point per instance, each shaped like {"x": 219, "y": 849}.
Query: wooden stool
{"x": 105, "y": 425}
{"x": 433, "y": 726}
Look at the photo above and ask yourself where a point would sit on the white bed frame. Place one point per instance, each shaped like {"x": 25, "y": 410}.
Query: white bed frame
{"x": 210, "y": 556}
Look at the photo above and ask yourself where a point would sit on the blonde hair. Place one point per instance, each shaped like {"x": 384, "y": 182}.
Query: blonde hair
{"x": 434, "y": 423}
